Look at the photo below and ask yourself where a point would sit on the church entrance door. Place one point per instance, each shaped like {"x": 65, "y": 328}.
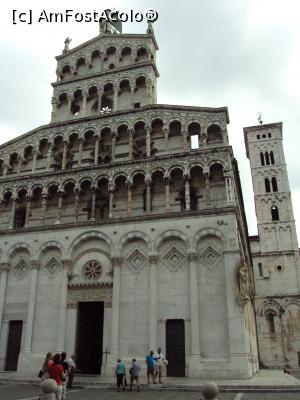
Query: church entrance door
{"x": 175, "y": 347}
{"x": 13, "y": 345}
{"x": 89, "y": 336}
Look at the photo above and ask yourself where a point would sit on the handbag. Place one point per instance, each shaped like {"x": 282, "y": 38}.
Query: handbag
{"x": 41, "y": 373}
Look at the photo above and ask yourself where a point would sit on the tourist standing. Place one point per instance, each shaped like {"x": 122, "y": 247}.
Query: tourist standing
{"x": 56, "y": 372}
{"x": 65, "y": 366}
{"x": 134, "y": 374}
{"x": 150, "y": 366}
{"x": 71, "y": 371}
{"x": 120, "y": 374}
{"x": 46, "y": 364}
{"x": 158, "y": 358}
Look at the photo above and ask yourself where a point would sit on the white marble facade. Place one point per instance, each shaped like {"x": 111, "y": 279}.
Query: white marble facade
{"x": 110, "y": 205}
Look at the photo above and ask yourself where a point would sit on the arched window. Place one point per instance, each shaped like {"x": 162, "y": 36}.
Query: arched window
{"x": 19, "y": 220}
{"x": 262, "y": 159}
{"x": 272, "y": 157}
{"x": 275, "y": 213}
{"x": 270, "y": 315}
{"x": 267, "y": 185}
{"x": 267, "y": 158}
{"x": 274, "y": 185}
{"x": 260, "y": 269}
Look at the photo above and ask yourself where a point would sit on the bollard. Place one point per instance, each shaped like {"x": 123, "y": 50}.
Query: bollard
{"x": 209, "y": 391}
{"x": 49, "y": 387}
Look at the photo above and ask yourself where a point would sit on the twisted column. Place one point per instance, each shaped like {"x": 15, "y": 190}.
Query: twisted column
{"x": 130, "y": 144}
{"x": 76, "y": 203}
{"x": 187, "y": 194}
{"x": 49, "y": 156}
{"x": 81, "y": 141}
{"x": 148, "y": 192}
{"x": 96, "y": 155}
{"x": 129, "y": 197}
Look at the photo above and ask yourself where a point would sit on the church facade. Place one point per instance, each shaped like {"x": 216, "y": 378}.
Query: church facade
{"x": 118, "y": 236}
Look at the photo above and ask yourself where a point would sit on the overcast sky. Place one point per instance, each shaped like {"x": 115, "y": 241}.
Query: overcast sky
{"x": 243, "y": 54}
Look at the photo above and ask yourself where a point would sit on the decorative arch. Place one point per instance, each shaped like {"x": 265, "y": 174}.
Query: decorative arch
{"x": 52, "y": 244}
{"x": 132, "y": 235}
{"x": 88, "y": 235}
{"x": 171, "y": 233}
{"x": 207, "y": 232}
{"x": 18, "y": 246}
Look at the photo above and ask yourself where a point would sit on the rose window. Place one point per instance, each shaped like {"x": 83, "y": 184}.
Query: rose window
{"x": 92, "y": 271}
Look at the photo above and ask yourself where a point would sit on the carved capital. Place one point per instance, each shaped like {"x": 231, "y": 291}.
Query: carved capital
{"x": 116, "y": 261}
{"x": 192, "y": 256}
{"x": 35, "y": 264}
{"x": 4, "y": 267}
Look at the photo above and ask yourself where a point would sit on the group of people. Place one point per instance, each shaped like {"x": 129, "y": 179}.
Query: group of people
{"x": 154, "y": 368}
{"x": 60, "y": 369}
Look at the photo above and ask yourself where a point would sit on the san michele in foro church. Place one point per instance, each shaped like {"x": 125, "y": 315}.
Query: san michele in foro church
{"x": 117, "y": 236}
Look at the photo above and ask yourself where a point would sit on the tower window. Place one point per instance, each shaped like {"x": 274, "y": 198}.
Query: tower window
{"x": 275, "y": 213}
{"x": 267, "y": 185}
{"x": 267, "y": 158}
{"x": 260, "y": 269}
{"x": 274, "y": 185}
{"x": 270, "y": 317}
{"x": 257, "y": 136}
{"x": 262, "y": 159}
{"x": 272, "y": 158}
{"x": 269, "y": 135}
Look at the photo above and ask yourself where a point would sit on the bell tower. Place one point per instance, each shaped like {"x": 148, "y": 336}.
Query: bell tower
{"x": 275, "y": 251}
{"x": 272, "y": 195}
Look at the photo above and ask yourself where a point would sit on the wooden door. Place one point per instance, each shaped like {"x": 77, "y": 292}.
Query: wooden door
{"x": 89, "y": 337}
{"x": 175, "y": 347}
{"x": 13, "y": 345}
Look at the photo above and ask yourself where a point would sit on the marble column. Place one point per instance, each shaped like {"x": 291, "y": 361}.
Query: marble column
{"x": 54, "y": 108}
{"x": 93, "y": 210}
{"x": 64, "y": 159}
{"x": 3, "y": 281}
{"x": 130, "y": 144}
{"x": 69, "y": 103}
{"x": 12, "y": 214}
{"x": 129, "y": 198}
{"x": 194, "y": 314}
{"x": 184, "y": 140}
{"x": 153, "y": 303}
{"x": 27, "y": 215}
{"x": 44, "y": 205}
{"x": 49, "y": 156}
{"x": 148, "y": 142}
{"x": 84, "y": 97}
{"x": 96, "y": 152}
{"x": 60, "y": 193}
{"x": 148, "y": 192}
{"x": 111, "y": 189}
{"x": 76, "y": 203}
{"x": 207, "y": 189}
{"x": 229, "y": 189}
{"x": 35, "y": 154}
{"x": 113, "y": 145}
{"x": 31, "y": 306}
{"x": 61, "y": 328}
{"x": 166, "y": 136}
{"x": 81, "y": 140}
{"x": 167, "y": 191}
{"x": 115, "y": 106}
{"x": 20, "y": 162}
{"x": 187, "y": 195}
{"x": 114, "y": 346}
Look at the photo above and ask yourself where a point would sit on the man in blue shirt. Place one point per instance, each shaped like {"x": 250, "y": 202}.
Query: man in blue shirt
{"x": 150, "y": 366}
